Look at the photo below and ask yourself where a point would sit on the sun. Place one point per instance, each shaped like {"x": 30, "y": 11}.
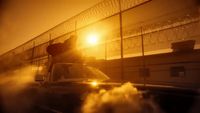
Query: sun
{"x": 92, "y": 39}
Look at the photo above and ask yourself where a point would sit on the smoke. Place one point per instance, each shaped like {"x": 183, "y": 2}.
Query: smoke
{"x": 14, "y": 94}
{"x": 124, "y": 99}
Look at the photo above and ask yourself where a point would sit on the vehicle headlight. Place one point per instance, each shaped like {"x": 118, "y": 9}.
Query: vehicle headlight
{"x": 94, "y": 83}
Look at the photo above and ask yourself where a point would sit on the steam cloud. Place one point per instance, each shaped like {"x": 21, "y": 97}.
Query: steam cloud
{"x": 124, "y": 99}
{"x": 13, "y": 86}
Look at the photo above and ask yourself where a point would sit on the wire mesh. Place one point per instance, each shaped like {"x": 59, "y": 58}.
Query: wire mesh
{"x": 159, "y": 31}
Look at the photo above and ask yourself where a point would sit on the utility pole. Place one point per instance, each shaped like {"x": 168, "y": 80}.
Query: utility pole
{"x": 76, "y": 28}
{"x": 33, "y": 51}
{"x": 144, "y": 72}
{"x": 121, "y": 43}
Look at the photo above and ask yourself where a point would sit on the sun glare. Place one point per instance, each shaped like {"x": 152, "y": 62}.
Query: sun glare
{"x": 92, "y": 39}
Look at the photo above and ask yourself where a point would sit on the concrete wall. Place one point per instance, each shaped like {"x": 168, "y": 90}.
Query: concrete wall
{"x": 160, "y": 69}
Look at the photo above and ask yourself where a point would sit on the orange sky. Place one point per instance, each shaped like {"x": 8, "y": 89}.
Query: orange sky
{"x": 22, "y": 20}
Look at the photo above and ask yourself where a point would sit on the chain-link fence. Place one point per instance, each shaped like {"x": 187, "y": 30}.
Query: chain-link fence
{"x": 156, "y": 22}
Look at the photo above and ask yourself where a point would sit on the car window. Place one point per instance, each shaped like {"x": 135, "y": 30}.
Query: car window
{"x": 76, "y": 71}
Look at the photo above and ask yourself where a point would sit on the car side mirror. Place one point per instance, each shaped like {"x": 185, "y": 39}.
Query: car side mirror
{"x": 39, "y": 78}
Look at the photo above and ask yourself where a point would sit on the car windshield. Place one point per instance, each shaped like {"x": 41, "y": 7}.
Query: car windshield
{"x": 76, "y": 71}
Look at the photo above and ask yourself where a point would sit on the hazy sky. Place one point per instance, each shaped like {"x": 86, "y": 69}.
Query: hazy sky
{"x": 22, "y": 20}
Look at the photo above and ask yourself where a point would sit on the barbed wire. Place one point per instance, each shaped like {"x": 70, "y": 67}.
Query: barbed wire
{"x": 157, "y": 34}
